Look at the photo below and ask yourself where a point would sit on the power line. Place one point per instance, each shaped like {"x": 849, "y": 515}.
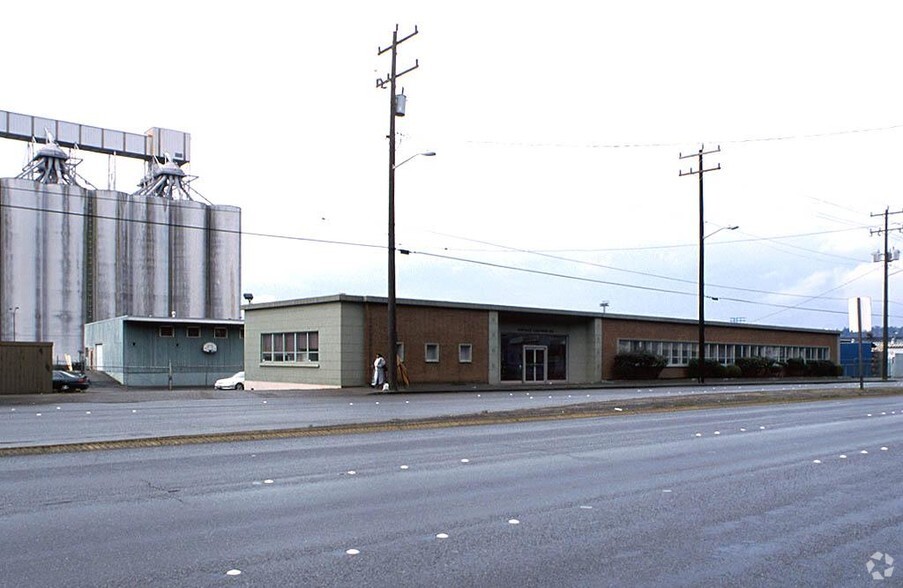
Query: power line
{"x": 447, "y": 257}
{"x": 669, "y": 144}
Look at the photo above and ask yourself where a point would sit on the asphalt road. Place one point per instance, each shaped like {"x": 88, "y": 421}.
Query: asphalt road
{"x": 135, "y": 414}
{"x": 777, "y": 495}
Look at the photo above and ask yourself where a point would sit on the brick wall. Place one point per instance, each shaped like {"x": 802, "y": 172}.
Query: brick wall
{"x": 419, "y": 325}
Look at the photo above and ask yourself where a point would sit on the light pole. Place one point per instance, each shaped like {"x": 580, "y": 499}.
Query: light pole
{"x": 391, "y": 306}
{"x": 14, "y": 311}
{"x": 604, "y": 306}
{"x": 396, "y": 108}
{"x": 701, "y": 172}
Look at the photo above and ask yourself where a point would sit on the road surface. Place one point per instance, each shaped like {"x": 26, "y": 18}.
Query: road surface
{"x": 778, "y": 495}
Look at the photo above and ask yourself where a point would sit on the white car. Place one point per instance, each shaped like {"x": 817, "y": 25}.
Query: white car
{"x": 236, "y": 382}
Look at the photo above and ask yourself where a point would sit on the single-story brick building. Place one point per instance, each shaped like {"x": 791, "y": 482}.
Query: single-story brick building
{"x": 332, "y": 341}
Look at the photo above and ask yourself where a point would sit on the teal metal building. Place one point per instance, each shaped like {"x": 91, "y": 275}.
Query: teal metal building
{"x": 165, "y": 352}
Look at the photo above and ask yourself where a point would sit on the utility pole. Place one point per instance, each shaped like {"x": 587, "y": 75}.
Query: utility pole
{"x": 396, "y": 108}
{"x": 887, "y": 257}
{"x": 700, "y": 172}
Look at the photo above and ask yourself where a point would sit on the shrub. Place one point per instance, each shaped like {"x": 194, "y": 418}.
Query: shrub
{"x": 754, "y": 367}
{"x": 638, "y": 366}
{"x": 795, "y": 367}
{"x": 712, "y": 369}
{"x": 824, "y": 368}
{"x": 732, "y": 371}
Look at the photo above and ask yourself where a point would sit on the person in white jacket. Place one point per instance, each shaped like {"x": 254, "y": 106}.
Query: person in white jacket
{"x": 379, "y": 372}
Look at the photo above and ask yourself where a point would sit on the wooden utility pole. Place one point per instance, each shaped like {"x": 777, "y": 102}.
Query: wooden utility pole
{"x": 888, "y": 257}
{"x": 700, "y": 172}
{"x": 391, "y": 77}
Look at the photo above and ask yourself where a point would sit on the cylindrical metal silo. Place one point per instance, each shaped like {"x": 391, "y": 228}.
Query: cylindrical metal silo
{"x": 106, "y": 235}
{"x": 20, "y": 271}
{"x": 149, "y": 256}
{"x": 60, "y": 242}
{"x": 224, "y": 257}
{"x": 188, "y": 265}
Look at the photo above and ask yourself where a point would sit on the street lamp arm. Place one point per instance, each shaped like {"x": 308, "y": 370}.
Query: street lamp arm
{"x": 730, "y": 228}
{"x": 425, "y": 154}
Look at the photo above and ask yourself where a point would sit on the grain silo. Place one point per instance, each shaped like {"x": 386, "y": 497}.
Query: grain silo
{"x": 72, "y": 254}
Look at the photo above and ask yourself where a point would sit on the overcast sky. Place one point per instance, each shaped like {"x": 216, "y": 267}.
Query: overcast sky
{"x": 558, "y": 128}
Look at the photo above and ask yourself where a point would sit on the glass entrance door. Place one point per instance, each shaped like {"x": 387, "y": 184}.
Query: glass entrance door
{"x": 535, "y": 363}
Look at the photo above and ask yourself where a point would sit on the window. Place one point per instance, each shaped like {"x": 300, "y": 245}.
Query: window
{"x": 680, "y": 353}
{"x": 167, "y": 331}
{"x": 303, "y": 348}
{"x": 431, "y": 353}
{"x": 193, "y": 332}
{"x": 220, "y": 333}
{"x": 465, "y": 353}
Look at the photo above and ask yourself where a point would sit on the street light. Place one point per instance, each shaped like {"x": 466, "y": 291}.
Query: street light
{"x": 702, "y": 296}
{"x": 425, "y": 154}
{"x": 730, "y": 228}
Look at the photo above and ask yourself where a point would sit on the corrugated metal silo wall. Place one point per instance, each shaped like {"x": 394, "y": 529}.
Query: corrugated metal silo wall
{"x": 107, "y": 278}
{"x": 225, "y": 262}
{"x": 188, "y": 231}
{"x": 148, "y": 257}
{"x": 19, "y": 275}
{"x": 63, "y": 315}
{"x": 43, "y": 238}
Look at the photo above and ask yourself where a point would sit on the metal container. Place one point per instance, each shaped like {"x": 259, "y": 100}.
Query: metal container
{"x": 106, "y": 251}
{"x": 148, "y": 257}
{"x": 224, "y": 278}
{"x": 188, "y": 264}
{"x": 42, "y": 264}
{"x": 62, "y": 251}
{"x": 20, "y": 260}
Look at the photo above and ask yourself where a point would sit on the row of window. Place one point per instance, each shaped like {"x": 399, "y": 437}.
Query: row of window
{"x": 194, "y": 332}
{"x": 304, "y": 347}
{"x": 298, "y": 347}
{"x": 679, "y": 353}
{"x": 431, "y": 352}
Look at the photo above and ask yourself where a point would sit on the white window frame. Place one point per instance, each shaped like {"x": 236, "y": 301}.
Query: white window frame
{"x": 427, "y": 355}
{"x": 468, "y": 353}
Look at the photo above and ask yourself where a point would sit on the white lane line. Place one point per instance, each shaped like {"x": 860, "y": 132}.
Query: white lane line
{"x": 352, "y": 551}
{"x": 513, "y": 522}
{"x": 442, "y": 536}
{"x": 233, "y": 573}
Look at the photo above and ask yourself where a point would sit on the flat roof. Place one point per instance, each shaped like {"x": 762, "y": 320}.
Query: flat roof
{"x": 517, "y": 309}
{"x": 174, "y": 320}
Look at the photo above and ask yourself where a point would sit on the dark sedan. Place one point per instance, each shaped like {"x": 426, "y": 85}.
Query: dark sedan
{"x": 64, "y": 381}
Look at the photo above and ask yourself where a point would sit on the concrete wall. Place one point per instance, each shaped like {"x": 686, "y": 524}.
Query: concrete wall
{"x": 27, "y": 368}
{"x": 582, "y": 350}
{"x": 328, "y": 320}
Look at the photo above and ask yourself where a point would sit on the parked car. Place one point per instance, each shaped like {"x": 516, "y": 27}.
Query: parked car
{"x": 64, "y": 381}
{"x": 234, "y": 382}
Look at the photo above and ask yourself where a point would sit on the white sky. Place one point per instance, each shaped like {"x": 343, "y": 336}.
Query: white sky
{"x": 558, "y": 128}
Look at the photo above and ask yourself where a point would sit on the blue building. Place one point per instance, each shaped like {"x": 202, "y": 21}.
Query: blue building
{"x": 849, "y": 357}
{"x": 160, "y": 352}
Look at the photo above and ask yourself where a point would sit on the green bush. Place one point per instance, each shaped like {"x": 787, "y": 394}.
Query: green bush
{"x": 638, "y": 366}
{"x": 712, "y": 369}
{"x": 796, "y": 367}
{"x": 733, "y": 371}
{"x": 755, "y": 367}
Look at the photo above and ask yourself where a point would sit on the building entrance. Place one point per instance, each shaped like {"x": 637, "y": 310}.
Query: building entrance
{"x": 535, "y": 363}
{"x": 533, "y": 357}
